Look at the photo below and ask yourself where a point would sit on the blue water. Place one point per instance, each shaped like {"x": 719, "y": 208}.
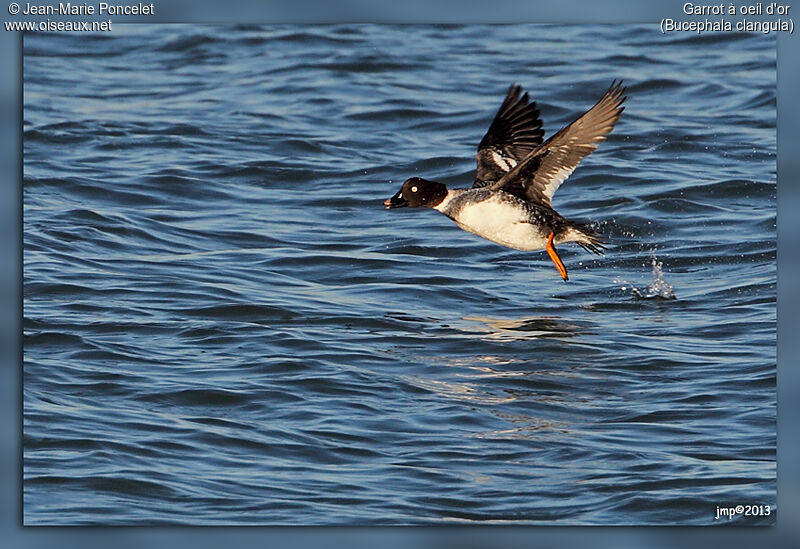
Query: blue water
{"x": 222, "y": 325}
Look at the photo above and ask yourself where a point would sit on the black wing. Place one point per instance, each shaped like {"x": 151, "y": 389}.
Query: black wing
{"x": 538, "y": 176}
{"x": 515, "y": 131}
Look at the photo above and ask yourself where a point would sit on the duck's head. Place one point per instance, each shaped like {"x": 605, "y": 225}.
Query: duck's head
{"x": 417, "y": 192}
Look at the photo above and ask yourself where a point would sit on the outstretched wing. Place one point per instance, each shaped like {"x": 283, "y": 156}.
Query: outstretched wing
{"x": 542, "y": 172}
{"x": 515, "y": 131}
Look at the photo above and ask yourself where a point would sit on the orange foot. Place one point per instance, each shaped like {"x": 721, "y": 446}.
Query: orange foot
{"x": 551, "y": 251}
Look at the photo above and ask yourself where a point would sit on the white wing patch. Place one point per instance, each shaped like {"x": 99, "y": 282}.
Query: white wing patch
{"x": 502, "y": 162}
{"x": 556, "y": 179}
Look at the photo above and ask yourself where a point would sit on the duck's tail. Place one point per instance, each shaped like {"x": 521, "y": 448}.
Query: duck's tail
{"x": 583, "y": 235}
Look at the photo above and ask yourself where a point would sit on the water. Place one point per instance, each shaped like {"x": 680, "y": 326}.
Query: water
{"x": 222, "y": 325}
{"x": 659, "y": 288}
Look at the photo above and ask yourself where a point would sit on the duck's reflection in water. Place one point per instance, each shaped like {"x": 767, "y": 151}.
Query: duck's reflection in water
{"x": 524, "y": 328}
{"x": 525, "y": 393}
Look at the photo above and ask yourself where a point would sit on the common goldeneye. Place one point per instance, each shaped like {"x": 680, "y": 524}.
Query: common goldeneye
{"x": 517, "y": 175}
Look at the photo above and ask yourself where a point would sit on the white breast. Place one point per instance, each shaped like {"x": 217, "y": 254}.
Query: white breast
{"x": 502, "y": 222}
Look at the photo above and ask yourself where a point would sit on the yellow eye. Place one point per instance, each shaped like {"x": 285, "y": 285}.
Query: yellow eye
{"x": 413, "y": 189}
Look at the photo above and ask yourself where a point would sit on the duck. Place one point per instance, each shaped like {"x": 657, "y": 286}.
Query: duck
{"x": 517, "y": 175}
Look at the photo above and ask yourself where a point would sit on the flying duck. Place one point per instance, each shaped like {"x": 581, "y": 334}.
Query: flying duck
{"x": 517, "y": 176}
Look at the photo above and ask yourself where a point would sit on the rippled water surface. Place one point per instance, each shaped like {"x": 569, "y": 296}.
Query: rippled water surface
{"x": 222, "y": 325}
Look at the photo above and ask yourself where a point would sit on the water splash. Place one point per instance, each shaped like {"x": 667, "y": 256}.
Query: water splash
{"x": 659, "y": 288}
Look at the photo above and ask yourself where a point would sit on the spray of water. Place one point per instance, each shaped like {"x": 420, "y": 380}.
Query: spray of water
{"x": 659, "y": 288}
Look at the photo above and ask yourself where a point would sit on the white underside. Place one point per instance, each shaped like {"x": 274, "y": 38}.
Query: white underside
{"x": 520, "y": 236}
{"x": 500, "y": 222}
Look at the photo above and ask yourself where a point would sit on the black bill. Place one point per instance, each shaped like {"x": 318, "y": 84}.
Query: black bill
{"x": 397, "y": 201}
